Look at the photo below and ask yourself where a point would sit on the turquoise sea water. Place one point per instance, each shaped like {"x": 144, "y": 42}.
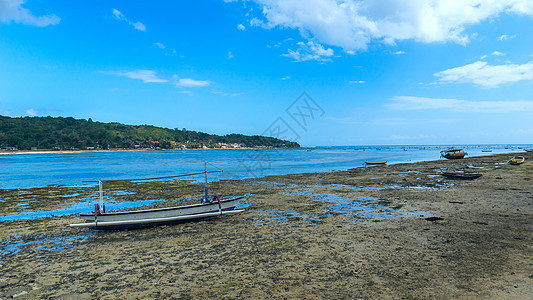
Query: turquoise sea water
{"x": 39, "y": 170}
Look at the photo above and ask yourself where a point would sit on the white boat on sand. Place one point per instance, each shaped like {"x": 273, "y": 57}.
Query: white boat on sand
{"x": 100, "y": 219}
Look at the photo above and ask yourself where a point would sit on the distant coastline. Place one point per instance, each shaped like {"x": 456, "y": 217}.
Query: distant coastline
{"x": 69, "y": 134}
{"x": 22, "y": 152}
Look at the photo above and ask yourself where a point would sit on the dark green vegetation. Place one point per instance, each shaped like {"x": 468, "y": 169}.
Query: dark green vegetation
{"x": 68, "y": 133}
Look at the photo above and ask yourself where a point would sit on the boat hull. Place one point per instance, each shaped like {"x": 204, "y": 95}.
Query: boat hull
{"x": 375, "y": 163}
{"x": 460, "y": 175}
{"x": 151, "y": 222}
{"x": 455, "y": 155}
{"x": 161, "y": 213}
{"x": 517, "y": 160}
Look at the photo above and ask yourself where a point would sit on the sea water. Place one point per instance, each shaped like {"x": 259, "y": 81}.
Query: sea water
{"x": 72, "y": 169}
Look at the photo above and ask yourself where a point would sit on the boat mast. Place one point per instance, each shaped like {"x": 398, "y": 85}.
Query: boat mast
{"x": 101, "y": 189}
{"x": 206, "y": 195}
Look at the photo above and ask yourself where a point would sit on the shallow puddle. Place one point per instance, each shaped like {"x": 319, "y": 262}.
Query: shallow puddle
{"x": 41, "y": 243}
{"x": 76, "y": 208}
{"x": 362, "y": 208}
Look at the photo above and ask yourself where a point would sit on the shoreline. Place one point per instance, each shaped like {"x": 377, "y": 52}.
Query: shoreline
{"x": 394, "y": 231}
{"x": 20, "y": 152}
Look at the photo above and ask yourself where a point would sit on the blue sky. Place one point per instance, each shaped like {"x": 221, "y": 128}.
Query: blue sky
{"x": 378, "y": 72}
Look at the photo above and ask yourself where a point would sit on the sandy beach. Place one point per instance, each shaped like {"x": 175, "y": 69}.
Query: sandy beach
{"x": 382, "y": 232}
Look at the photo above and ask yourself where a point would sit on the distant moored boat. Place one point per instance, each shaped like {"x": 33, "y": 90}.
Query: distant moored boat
{"x": 375, "y": 163}
{"x": 517, "y": 160}
{"x": 460, "y": 175}
{"x": 452, "y": 153}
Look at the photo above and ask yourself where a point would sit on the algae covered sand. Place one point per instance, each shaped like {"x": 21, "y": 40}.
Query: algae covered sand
{"x": 399, "y": 231}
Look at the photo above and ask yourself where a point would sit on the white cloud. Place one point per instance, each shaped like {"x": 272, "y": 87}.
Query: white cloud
{"x": 310, "y": 51}
{"x": 227, "y": 94}
{"x": 144, "y": 75}
{"x": 139, "y": 26}
{"x": 357, "y": 81}
{"x": 423, "y": 103}
{"x": 505, "y": 37}
{"x": 187, "y": 82}
{"x": 119, "y": 16}
{"x": 186, "y": 92}
{"x": 483, "y": 74}
{"x": 166, "y": 50}
{"x": 353, "y": 24}
{"x": 31, "y": 112}
{"x": 256, "y": 22}
{"x": 149, "y": 76}
{"x": 498, "y": 53}
{"x": 286, "y": 78}
{"x": 4, "y": 112}
{"x": 241, "y": 27}
{"x": 398, "y": 52}
{"x": 12, "y": 10}
{"x": 230, "y": 55}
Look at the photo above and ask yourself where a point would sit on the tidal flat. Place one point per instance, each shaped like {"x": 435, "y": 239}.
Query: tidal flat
{"x": 387, "y": 232}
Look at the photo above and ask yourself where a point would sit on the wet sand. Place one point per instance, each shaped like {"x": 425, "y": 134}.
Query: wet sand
{"x": 384, "y": 232}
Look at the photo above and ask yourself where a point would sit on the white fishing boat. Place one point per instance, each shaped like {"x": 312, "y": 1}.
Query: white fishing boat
{"x": 100, "y": 219}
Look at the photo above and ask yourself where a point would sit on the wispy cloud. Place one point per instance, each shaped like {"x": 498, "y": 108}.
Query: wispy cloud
{"x": 230, "y": 55}
{"x": 357, "y": 81}
{"x": 285, "y": 78}
{"x": 146, "y": 76}
{"x": 498, "y": 53}
{"x": 423, "y": 103}
{"x": 31, "y": 112}
{"x": 310, "y": 51}
{"x": 167, "y": 51}
{"x": 485, "y": 75}
{"x": 150, "y": 76}
{"x": 409, "y": 121}
{"x": 12, "y": 10}
{"x": 227, "y": 94}
{"x": 505, "y": 37}
{"x": 189, "y": 93}
{"x": 188, "y": 82}
{"x": 241, "y": 27}
{"x": 119, "y": 16}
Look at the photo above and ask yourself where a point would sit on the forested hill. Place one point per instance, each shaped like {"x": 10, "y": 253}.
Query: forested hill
{"x": 27, "y": 133}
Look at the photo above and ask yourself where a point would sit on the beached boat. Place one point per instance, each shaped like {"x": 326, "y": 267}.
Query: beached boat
{"x": 100, "y": 219}
{"x": 452, "y": 153}
{"x": 517, "y": 160}
{"x": 461, "y": 175}
{"x": 375, "y": 162}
